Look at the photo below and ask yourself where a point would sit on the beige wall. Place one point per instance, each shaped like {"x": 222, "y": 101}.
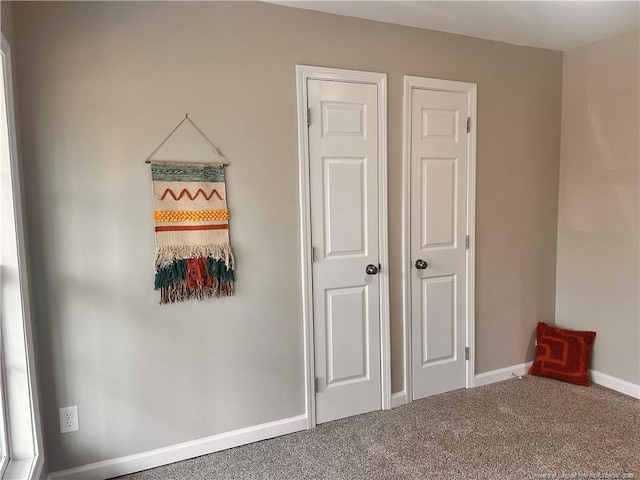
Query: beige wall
{"x": 102, "y": 83}
{"x": 598, "y": 285}
{"x": 6, "y": 24}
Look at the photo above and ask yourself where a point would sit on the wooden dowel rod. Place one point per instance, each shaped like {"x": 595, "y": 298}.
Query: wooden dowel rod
{"x": 180, "y": 162}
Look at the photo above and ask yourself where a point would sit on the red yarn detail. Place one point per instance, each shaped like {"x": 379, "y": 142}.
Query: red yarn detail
{"x": 188, "y": 194}
{"x": 187, "y": 228}
{"x": 197, "y": 275}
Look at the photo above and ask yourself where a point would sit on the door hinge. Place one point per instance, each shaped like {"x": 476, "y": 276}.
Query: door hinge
{"x": 316, "y": 382}
{"x": 308, "y": 117}
{"x": 468, "y": 124}
{"x": 466, "y": 242}
{"x": 466, "y": 353}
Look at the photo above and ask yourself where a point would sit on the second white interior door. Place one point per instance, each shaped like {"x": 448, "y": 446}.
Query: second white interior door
{"x": 438, "y": 205}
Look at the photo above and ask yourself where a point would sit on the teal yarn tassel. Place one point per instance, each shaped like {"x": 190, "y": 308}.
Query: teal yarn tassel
{"x": 173, "y": 273}
{"x": 218, "y": 270}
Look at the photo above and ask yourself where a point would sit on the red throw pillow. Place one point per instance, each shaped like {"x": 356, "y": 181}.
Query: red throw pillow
{"x": 562, "y": 354}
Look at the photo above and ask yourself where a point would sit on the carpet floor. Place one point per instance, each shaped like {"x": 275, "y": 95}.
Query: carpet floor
{"x": 517, "y": 429}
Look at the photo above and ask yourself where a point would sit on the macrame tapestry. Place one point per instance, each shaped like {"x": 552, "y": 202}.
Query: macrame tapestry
{"x": 194, "y": 258}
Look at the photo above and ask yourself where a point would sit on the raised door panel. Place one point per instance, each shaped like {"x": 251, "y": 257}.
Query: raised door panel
{"x": 438, "y": 319}
{"x": 347, "y": 321}
{"x": 344, "y": 119}
{"x": 438, "y": 212}
{"x": 345, "y": 206}
{"x": 440, "y": 124}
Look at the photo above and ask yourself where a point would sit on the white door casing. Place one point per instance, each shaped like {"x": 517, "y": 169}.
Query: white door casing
{"x": 439, "y": 200}
{"x": 343, "y": 215}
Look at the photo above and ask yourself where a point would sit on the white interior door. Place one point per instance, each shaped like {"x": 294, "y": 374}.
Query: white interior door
{"x": 438, "y": 206}
{"x": 343, "y": 155}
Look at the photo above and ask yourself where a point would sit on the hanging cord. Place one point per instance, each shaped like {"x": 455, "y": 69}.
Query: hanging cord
{"x": 209, "y": 142}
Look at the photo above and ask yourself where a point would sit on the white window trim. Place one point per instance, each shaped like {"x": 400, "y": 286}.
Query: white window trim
{"x": 22, "y": 413}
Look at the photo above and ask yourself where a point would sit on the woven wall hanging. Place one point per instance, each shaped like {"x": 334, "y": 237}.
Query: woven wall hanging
{"x": 194, "y": 259}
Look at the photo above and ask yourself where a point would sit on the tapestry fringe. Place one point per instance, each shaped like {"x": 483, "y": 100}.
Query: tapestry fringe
{"x": 179, "y": 292}
{"x": 166, "y": 255}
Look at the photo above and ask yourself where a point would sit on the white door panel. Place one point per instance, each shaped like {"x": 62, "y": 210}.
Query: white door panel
{"x": 438, "y": 230}
{"x": 345, "y": 207}
{"x": 347, "y": 339}
{"x": 438, "y": 319}
{"x": 343, "y": 155}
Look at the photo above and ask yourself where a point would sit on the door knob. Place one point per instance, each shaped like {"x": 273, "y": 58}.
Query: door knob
{"x": 421, "y": 264}
{"x": 371, "y": 269}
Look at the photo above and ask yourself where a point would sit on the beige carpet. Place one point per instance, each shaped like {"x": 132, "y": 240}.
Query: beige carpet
{"x": 522, "y": 428}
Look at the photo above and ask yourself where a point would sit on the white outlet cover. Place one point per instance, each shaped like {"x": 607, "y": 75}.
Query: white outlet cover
{"x": 69, "y": 419}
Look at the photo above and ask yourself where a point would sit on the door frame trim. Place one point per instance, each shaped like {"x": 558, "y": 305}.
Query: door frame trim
{"x": 411, "y": 82}
{"x": 304, "y": 73}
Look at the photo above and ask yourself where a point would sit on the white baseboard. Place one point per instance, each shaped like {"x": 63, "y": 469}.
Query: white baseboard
{"x": 398, "y": 399}
{"x": 599, "y": 378}
{"x": 182, "y": 451}
{"x": 614, "y": 383}
{"x": 501, "y": 374}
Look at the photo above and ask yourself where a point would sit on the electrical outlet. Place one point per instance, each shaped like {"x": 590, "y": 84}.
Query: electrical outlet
{"x": 69, "y": 419}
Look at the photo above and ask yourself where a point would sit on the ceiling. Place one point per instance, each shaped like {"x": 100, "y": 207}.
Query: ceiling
{"x": 556, "y": 25}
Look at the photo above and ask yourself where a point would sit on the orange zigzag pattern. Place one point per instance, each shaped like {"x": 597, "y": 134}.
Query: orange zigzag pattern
{"x": 188, "y": 194}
